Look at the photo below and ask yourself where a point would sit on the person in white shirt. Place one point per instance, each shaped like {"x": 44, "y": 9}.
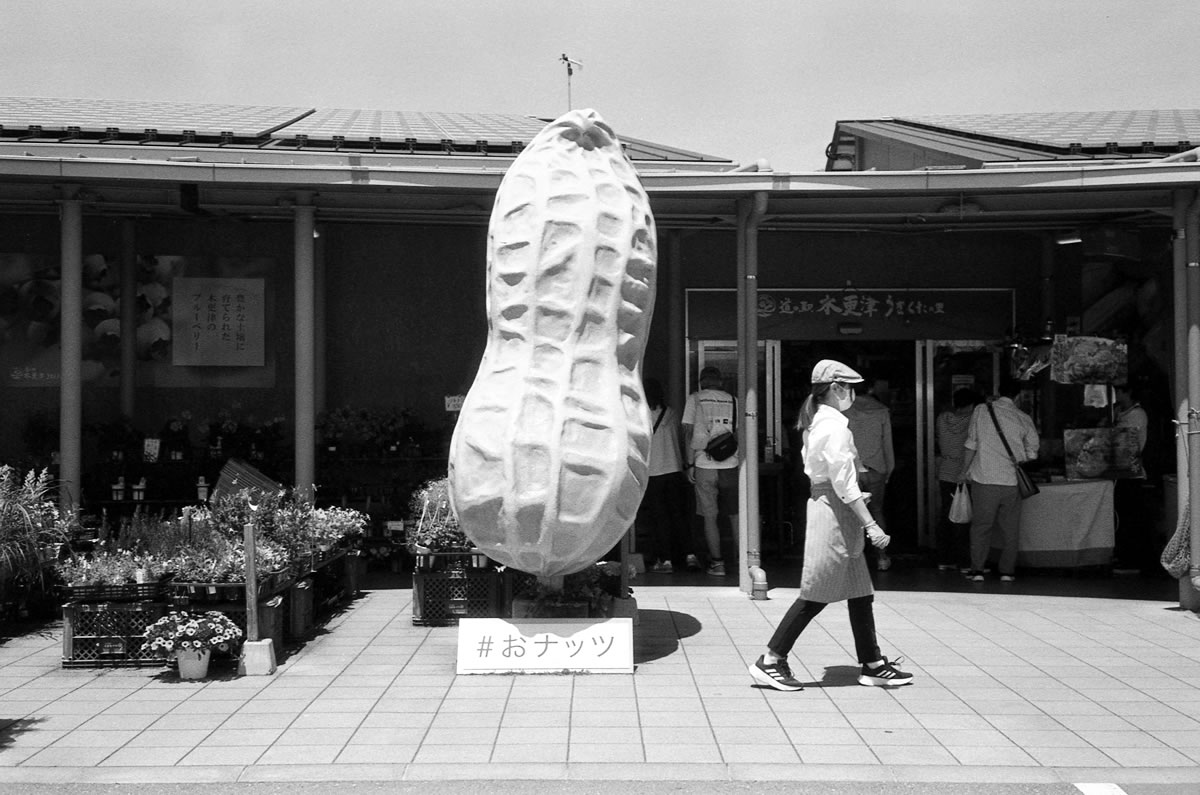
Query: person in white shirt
{"x": 835, "y": 568}
{"x": 664, "y": 506}
{"x": 708, "y": 412}
{"x": 995, "y": 502}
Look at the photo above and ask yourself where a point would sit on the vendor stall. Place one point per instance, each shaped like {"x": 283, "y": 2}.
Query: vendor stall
{"x": 1069, "y": 523}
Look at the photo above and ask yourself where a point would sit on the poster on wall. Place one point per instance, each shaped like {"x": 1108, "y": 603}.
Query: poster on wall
{"x": 30, "y": 321}
{"x": 219, "y": 322}
{"x": 1088, "y": 360}
{"x": 1101, "y": 453}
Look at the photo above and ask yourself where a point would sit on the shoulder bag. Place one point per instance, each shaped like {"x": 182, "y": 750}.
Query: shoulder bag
{"x": 1025, "y": 485}
{"x": 725, "y": 443}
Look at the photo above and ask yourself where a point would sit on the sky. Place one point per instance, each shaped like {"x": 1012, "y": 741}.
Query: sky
{"x": 740, "y": 79}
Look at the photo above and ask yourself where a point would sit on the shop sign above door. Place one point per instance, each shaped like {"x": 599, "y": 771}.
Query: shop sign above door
{"x": 807, "y": 314}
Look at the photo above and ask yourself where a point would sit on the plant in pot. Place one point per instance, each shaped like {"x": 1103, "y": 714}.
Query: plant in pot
{"x": 435, "y": 528}
{"x": 111, "y": 575}
{"x": 31, "y": 533}
{"x": 586, "y": 593}
{"x": 191, "y": 638}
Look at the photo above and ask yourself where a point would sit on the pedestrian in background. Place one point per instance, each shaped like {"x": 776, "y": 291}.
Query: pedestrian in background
{"x": 871, "y": 424}
{"x": 663, "y": 508}
{"x": 1135, "y": 549}
{"x": 708, "y": 412}
{"x": 835, "y": 568}
{"x": 950, "y": 430}
{"x": 995, "y": 501}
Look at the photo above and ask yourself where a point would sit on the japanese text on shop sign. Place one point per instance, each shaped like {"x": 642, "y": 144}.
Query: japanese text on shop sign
{"x": 28, "y": 373}
{"x": 795, "y": 313}
{"x": 494, "y": 645}
{"x": 850, "y": 305}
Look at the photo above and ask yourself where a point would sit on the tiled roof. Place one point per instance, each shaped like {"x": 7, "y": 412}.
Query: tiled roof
{"x": 1163, "y": 129}
{"x": 45, "y": 119}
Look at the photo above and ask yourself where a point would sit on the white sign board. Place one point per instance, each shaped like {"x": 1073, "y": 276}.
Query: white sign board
{"x": 540, "y": 646}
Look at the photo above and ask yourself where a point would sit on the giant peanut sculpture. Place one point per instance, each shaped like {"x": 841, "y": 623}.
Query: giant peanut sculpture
{"x": 548, "y": 460}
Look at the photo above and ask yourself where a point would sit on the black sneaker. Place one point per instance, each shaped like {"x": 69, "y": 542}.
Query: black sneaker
{"x": 777, "y": 675}
{"x": 886, "y": 675}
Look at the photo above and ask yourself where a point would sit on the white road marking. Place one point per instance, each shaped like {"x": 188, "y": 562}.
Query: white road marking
{"x": 1100, "y": 789}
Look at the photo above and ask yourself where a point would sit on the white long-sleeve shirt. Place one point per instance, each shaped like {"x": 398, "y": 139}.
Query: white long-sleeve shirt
{"x": 829, "y": 453}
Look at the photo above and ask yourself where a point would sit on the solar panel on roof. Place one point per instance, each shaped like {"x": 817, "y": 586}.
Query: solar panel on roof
{"x": 169, "y": 118}
{"x": 398, "y": 126}
{"x": 1125, "y": 128}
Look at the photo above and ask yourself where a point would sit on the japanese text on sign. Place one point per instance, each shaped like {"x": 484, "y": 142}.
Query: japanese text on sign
{"x": 849, "y": 305}
{"x": 219, "y": 322}
{"x": 496, "y": 645}
{"x": 810, "y": 314}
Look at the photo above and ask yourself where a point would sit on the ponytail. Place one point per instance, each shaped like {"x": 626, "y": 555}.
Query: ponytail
{"x": 809, "y": 409}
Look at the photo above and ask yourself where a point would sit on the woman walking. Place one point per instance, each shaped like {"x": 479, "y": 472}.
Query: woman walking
{"x": 834, "y": 566}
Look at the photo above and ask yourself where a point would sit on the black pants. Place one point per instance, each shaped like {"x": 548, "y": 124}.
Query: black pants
{"x": 664, "y": 510}
{"x": 953, "y": 540}
{"x": 1137, "y": 546}
{"x": 862, "y": 624}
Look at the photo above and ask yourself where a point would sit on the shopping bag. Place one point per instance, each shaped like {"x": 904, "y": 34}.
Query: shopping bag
{"x": 1025, "y": 485}
{"x": 960, "y": 506}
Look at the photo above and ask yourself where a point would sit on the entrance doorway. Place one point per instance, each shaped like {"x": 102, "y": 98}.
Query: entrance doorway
{"x": 891, "y": 364}
{"x": 915, "y": 379}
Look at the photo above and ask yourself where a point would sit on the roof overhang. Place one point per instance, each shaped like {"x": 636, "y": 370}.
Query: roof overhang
{"x": 364, "y": 188}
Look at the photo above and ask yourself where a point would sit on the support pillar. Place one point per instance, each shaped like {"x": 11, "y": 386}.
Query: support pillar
{"x": 128, "y": 343}
{"x": 749, "y": 530}
{"x": 70, "y": 417}
{"x": 304, "y": 324}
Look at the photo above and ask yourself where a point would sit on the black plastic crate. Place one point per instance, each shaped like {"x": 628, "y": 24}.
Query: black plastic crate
{"x": 109, "y": 634}
{"x": 440, "y": 598}
{"x": 129, "y": 592}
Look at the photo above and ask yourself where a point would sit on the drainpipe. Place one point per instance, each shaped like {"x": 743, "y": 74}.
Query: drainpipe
{"x": 751, "y": 576}
{"x": 1179, "y": 370}
{"x": 758, "y": 165}
{"x": 1192, "y": 425}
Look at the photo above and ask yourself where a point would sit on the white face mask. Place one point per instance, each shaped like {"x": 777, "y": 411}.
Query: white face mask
{"x": 845, "y": 400}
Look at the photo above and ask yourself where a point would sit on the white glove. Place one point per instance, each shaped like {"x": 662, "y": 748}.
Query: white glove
{"x": 877, "y": 537}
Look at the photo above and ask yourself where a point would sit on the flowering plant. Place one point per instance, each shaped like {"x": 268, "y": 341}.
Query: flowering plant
{"x": 332, "y": 525}
{"x": 435, "y": 527}
{"x": 110, "y": 567}
{"x": 183, "y": 630}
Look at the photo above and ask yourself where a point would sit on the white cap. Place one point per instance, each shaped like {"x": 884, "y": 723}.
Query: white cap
{"x": 827, "y": 371}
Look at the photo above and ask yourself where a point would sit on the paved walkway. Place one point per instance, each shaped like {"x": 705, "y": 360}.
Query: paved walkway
{"x": 1011, "y": 688}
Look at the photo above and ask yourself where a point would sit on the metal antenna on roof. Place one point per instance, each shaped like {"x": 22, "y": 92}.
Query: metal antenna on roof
{"x": 571, "y": 64}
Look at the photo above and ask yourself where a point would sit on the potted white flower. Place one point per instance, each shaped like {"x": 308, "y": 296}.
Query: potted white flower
{"x": 191, "y": 638}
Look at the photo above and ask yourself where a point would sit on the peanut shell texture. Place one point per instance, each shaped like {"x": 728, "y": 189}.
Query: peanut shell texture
{"x": 548, "y": 463}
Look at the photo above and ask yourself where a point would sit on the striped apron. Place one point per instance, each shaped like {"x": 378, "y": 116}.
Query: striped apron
{"x": 834, "y": 566}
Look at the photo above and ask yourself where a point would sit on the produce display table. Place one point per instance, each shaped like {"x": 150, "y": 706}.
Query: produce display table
{"x": 1068, "y": 524}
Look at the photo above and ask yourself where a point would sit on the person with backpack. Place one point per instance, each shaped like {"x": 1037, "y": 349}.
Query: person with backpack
{"x": 708, "y": 415}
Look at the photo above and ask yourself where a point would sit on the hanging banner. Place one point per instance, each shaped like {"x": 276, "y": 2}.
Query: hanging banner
{"x": 219, "y": 322}
{"x": 808, "y": 314}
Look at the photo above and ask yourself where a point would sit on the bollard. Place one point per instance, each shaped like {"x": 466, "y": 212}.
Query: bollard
{"x": 758, "y": 584}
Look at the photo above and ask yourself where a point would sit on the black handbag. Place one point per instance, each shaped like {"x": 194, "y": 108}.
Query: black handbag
{"x": 1025, "y": 485}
